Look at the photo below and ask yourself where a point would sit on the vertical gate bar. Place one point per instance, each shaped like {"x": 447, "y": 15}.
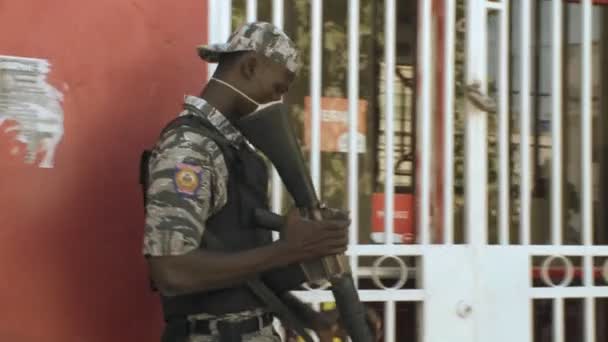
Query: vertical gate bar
{"x": 448, "y": 129}
{"x": 389, "y": 45}
{"x": 219, "y": 26}
{"x": 590, "y": 331}
{"x": 476, "y": 147}
{"x": 252, "y": 10}
{"x": 213, "y": 23}
{"x": 559, "y": 331}
{"x": 391, "y": 318}
{"x": 278, "y": 9}
{"x": 425, "y": 118}
{"x": 556, "y": 125}
{"x": 316, "y": 17}
{"x": 587, "y": 174}
{"x": 503, "y": 133}
{"x": 476, "y": 153}
{"x": 524, "y": 131}
{"x": 586, "y": 117}
{"x": 535, "y": 90}
{"x": 277, "y": 184}
{"x": 353, "y": 121}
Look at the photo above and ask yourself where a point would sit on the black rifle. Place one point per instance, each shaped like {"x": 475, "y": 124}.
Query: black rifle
{"x": 270, "y": 131}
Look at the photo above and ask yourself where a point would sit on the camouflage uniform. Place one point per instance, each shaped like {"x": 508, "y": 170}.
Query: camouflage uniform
{"x": 176, "y": 214}
{"x": 188, "y": 174}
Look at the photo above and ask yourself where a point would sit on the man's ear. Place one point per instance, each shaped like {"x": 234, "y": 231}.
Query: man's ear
{"x": 248, "y": 66}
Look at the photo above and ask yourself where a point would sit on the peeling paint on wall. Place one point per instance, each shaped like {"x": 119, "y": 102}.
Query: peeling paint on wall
{"x": 32, "y": 106}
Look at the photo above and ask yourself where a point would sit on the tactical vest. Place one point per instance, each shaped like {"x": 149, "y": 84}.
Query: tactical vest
{"x": 233, "y": 225}
{"x": 232, "y": 229}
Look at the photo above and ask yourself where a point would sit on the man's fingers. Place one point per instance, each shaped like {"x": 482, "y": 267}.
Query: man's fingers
{"x": 336, "y": 233}
{"x": 337, "y": 238}
{"x": 331, "y": 213}
{"x": 340, "y": 223}
{"x": 340, "y": 242}
{"x": 336, "y": 225}
{"x": 336, "y": 250}
{"x": 293, "y": 215}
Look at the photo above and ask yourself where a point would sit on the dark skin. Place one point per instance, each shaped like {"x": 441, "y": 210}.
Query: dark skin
{"x": 257, "y": 76}
{"x": 200, "y": 270}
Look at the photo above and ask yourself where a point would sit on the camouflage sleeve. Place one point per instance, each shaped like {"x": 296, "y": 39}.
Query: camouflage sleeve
{"x": 187, "y": 184}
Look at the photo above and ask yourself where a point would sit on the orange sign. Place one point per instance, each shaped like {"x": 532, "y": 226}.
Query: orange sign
{"x": 334, "y": 124}
{"x": 403, "y": 226}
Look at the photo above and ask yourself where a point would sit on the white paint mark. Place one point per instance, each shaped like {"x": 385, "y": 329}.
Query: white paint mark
{"x": 35, "y": 106}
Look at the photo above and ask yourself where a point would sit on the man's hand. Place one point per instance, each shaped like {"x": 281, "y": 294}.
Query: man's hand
{"x": 334, "y": 214}
{"x": 308, "y": 239}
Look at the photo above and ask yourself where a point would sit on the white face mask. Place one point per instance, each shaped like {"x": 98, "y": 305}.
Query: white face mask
{"x": 260, "y": 106}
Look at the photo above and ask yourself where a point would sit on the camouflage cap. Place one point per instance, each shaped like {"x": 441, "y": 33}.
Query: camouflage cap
{"x": 263, "y": 37}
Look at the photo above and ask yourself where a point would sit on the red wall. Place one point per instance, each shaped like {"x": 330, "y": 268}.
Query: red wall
{"x": 70, "y": 237}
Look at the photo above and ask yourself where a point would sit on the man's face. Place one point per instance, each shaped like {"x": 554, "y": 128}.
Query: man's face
{"x": 271, "y": 81}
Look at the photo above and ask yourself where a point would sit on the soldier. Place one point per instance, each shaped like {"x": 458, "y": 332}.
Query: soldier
{"x": 204, "y": 180}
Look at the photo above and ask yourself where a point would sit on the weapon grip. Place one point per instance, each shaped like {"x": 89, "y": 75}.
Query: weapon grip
{"x": 268, "y": 220}
{"x": 352, "y": 311}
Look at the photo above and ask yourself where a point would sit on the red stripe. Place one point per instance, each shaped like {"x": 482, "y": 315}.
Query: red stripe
{"x": 561, "y": 271}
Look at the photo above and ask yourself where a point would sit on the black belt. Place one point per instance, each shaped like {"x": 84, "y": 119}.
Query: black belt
{"x": 247, "y": 326}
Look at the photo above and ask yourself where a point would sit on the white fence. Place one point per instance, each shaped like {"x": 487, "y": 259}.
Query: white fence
{"x": 474, "y": 291}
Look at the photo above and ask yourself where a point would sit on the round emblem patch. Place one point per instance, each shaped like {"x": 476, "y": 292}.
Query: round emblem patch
{"x": 187, "y": 179}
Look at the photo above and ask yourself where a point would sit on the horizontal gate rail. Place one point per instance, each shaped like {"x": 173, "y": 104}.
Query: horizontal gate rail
{"x": 389, "y": 296}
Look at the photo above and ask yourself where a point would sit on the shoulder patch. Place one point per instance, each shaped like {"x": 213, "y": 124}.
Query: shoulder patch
{"x": 187, "y": 178}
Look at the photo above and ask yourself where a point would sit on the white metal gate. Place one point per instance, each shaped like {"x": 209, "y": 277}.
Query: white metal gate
{"x": 475, "y": 291}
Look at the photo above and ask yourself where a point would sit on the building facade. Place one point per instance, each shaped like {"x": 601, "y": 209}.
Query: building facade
{"x": 478, "y": 212}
